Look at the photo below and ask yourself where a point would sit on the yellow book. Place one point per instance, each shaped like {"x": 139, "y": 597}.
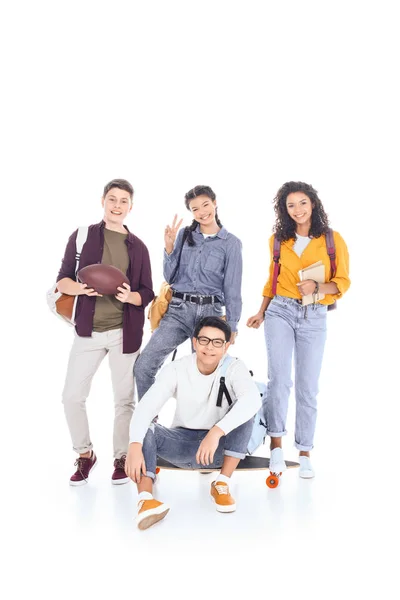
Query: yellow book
{"x": 317, "y": 273}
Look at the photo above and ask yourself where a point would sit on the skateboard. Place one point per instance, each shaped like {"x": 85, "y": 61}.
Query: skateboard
{"x": 249, "y": 463}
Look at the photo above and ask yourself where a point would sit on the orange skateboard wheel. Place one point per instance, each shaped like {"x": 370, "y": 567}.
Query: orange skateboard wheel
{"x": 273, "y": 480}
{"x": 157, "y": 470}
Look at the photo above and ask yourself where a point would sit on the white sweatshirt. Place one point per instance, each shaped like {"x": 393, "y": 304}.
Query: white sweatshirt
{"x": 196, "y": 398}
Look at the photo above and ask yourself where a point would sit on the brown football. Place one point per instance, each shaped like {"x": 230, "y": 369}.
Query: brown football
{"x": 104, "y": 279}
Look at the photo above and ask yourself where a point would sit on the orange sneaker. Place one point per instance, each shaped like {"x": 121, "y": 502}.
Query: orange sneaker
{"x": 149, "y": 512}
{"x": 222, "y": 498}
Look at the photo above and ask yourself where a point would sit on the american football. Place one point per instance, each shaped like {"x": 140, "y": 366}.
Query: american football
{"x": 104, "y": 279}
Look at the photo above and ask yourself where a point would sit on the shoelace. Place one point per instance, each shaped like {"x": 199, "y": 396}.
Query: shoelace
{"x": 222, "y": 489}
{"x": 120, "y": 463}
{"x": 79, "y": 464}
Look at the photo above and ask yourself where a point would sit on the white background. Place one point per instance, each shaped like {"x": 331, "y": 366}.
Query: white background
{"x": 241, "y": 96}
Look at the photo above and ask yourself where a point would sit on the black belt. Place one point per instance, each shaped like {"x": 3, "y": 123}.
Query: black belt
{"x": 196, "y": 299}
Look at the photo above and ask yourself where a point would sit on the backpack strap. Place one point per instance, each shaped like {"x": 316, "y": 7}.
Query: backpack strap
{"x": 277, "y": 267}
{"x": 331, "y": 250}
{"x": 80, "y": 240}
{"x": 223, "y": 390}
{"x": 222, "y": 385}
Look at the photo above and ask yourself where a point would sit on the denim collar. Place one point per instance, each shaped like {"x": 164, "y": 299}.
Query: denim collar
{"x": 222, "y": 233}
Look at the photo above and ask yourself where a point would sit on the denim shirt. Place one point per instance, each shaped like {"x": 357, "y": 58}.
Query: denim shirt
{"x": 212, "y": 267}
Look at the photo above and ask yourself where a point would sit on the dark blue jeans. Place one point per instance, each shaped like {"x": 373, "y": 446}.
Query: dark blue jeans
{"x": 179, "y": 446}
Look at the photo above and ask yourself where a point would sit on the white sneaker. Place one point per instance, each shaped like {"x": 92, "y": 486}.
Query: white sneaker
{"x": 306, "y": 471}
{"x": 276, "y": 461}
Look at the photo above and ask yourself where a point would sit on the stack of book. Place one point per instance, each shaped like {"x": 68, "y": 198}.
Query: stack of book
{"x": 317, "y": 273}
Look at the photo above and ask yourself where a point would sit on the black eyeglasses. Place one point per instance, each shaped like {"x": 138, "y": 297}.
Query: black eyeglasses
{"x": 204, "y": 341}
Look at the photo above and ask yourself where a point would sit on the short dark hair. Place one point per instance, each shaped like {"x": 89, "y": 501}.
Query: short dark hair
{"x": 216, "y": 322}
{"x": 122, "y": 184}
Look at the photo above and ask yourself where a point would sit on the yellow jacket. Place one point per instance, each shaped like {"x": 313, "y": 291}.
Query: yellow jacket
{"x": 291, "y": 263}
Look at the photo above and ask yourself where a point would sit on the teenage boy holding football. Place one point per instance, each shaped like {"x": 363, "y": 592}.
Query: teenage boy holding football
{"x": 105, "y": 325}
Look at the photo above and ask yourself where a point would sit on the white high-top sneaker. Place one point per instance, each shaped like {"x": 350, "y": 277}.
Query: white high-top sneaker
{"x": 276, "y": 462}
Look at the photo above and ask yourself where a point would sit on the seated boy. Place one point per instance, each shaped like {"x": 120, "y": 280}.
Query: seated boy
{"x": 203, "y": 434}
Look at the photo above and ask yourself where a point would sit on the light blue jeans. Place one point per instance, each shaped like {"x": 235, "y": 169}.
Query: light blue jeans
{"x": 179, "y": 446}
{"x": 175, "y": 327}
{"x": 291, "y": 327}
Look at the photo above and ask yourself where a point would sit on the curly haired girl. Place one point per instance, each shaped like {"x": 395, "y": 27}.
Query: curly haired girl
{"x": 301, "y": 229}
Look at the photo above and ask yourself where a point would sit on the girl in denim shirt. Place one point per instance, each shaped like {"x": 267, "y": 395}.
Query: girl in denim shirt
{"x": 207, "y": 278}
{"x": 301, "y": 227}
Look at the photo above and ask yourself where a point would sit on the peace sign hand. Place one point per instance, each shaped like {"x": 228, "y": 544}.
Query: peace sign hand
{"x": 170, "y": 234}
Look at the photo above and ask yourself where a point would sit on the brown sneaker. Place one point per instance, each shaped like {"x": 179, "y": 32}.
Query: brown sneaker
{"x": 222, "y": 498}
{"x": 149, "y": 512}
{"x": 119, "y": 476}
{"x": 84, "y": 466}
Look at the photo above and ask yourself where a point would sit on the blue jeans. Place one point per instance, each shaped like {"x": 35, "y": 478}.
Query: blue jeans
{"x": 175, "y": 327}
{"x": 179, "y": 446}
{"x": 289, "y": 327}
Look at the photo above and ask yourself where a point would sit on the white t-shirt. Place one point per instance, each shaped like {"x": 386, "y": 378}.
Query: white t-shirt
{"x": 301, "y": 244}
{"x": 196, "y": 398}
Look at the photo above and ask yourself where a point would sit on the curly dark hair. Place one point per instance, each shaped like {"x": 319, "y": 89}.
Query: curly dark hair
{"x": 285, "y": 227}
{"x": 198, "y": 190}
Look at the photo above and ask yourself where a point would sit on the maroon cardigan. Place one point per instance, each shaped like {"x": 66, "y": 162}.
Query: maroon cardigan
{"x": 138, "y": 273}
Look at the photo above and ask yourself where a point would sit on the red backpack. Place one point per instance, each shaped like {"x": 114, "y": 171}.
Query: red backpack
{"x": 330, "y": 248}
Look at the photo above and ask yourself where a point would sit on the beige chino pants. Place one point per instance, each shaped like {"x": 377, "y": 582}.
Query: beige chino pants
{"x": 84, "y": 360}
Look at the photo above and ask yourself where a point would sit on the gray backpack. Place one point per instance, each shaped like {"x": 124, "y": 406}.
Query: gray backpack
{"x": 259, "y": 431}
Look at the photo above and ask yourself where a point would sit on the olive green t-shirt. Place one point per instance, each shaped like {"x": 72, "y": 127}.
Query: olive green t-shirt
{"x": 109, "y": 311}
